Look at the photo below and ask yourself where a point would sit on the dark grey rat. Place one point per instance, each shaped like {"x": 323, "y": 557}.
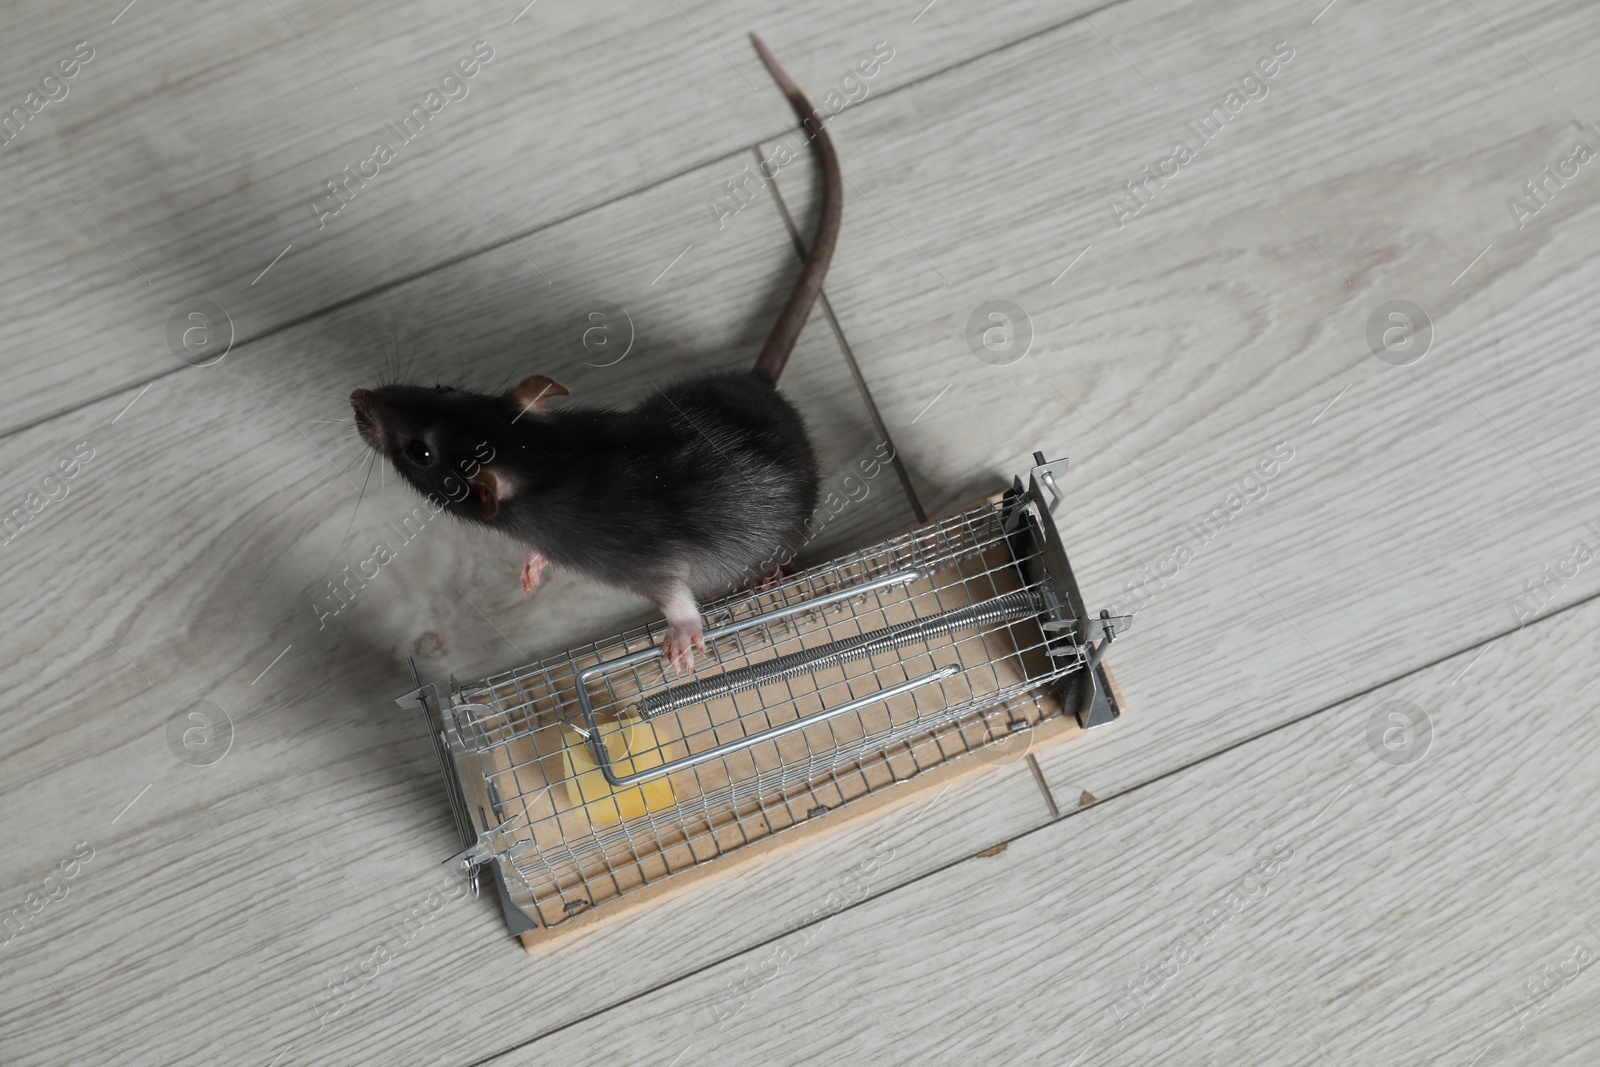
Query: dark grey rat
{"x": 698, "y": 487}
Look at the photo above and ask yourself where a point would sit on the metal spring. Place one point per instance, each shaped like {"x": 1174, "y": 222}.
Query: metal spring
{"x": 1004, "y": 607}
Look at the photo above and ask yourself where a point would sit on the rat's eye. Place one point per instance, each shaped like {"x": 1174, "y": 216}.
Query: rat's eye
{"x": 419, "y": 453}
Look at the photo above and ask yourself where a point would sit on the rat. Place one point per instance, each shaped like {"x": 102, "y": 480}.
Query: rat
{"x": 695, "y": 488}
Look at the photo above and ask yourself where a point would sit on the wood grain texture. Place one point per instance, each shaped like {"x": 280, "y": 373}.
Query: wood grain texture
{"x": 188, "y": 555}
{"x": 1396, "y": 914}
{"x": 221, "y": 902}
{"x": 187, "y": 153}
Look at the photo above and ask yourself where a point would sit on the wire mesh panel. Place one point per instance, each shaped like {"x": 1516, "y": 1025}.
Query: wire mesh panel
{"x": 601, "y": 773}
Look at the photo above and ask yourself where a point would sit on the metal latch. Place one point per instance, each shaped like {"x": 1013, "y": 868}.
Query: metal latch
{"x": 426, "y": 697}
{"x": 490, "y": 845}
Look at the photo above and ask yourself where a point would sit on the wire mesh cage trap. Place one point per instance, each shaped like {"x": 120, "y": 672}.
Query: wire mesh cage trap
{"x": 592, "y": 783}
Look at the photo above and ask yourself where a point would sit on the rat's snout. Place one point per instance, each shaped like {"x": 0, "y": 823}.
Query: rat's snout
{"x": 361, "y": 404}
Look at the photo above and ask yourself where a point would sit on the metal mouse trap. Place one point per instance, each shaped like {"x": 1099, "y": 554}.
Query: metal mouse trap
{"x": 593, "y": 783}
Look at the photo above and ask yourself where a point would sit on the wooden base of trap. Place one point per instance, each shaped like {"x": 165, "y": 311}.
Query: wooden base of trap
{"x": 1055, "y": 729}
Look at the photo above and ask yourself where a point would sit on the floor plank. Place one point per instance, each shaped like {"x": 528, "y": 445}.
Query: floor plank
{"x": 186, "y": 156}
{"x": 1408, "y": 505}
{"x": 1227, "y": 317}
{"x": 1295, "y": 900}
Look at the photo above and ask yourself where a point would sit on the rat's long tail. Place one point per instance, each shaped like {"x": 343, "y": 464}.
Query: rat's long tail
{"x": 775, "y": 353}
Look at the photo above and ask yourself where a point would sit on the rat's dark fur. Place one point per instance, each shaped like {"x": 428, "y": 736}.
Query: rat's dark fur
{"x": 699, "y": 486}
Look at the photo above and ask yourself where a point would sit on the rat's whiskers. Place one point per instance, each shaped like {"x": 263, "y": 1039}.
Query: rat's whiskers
{"x": 354, "y": 511}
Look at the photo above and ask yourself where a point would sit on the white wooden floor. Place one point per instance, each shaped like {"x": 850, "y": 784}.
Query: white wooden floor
{"x": 1258, "y": 865}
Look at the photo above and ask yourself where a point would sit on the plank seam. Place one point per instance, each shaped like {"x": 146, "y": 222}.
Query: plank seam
{"x": 1044, "y": 787}
{"x": 849, "y": 353}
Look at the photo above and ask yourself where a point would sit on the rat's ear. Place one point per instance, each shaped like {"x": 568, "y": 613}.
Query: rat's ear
{"x": 535, "y": 391}
{"x": 491, "y": 488}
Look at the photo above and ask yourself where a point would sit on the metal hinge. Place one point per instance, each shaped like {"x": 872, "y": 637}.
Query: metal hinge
{"x": 418, "y": 697}
{"x": 490, "y": 845}
{"x": 1098, "y": 633}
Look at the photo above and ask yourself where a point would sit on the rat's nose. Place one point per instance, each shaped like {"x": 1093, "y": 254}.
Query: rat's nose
{"x": 360, "y": 403}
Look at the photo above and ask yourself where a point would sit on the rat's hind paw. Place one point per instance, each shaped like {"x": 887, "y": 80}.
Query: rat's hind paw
{"x": 532, "y": 572}
{"x": 679, "y": 647}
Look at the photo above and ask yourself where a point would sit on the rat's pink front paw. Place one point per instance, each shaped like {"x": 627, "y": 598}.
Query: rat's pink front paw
{"x": 532, "y": 572}
{"x": 679, "y": 647}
